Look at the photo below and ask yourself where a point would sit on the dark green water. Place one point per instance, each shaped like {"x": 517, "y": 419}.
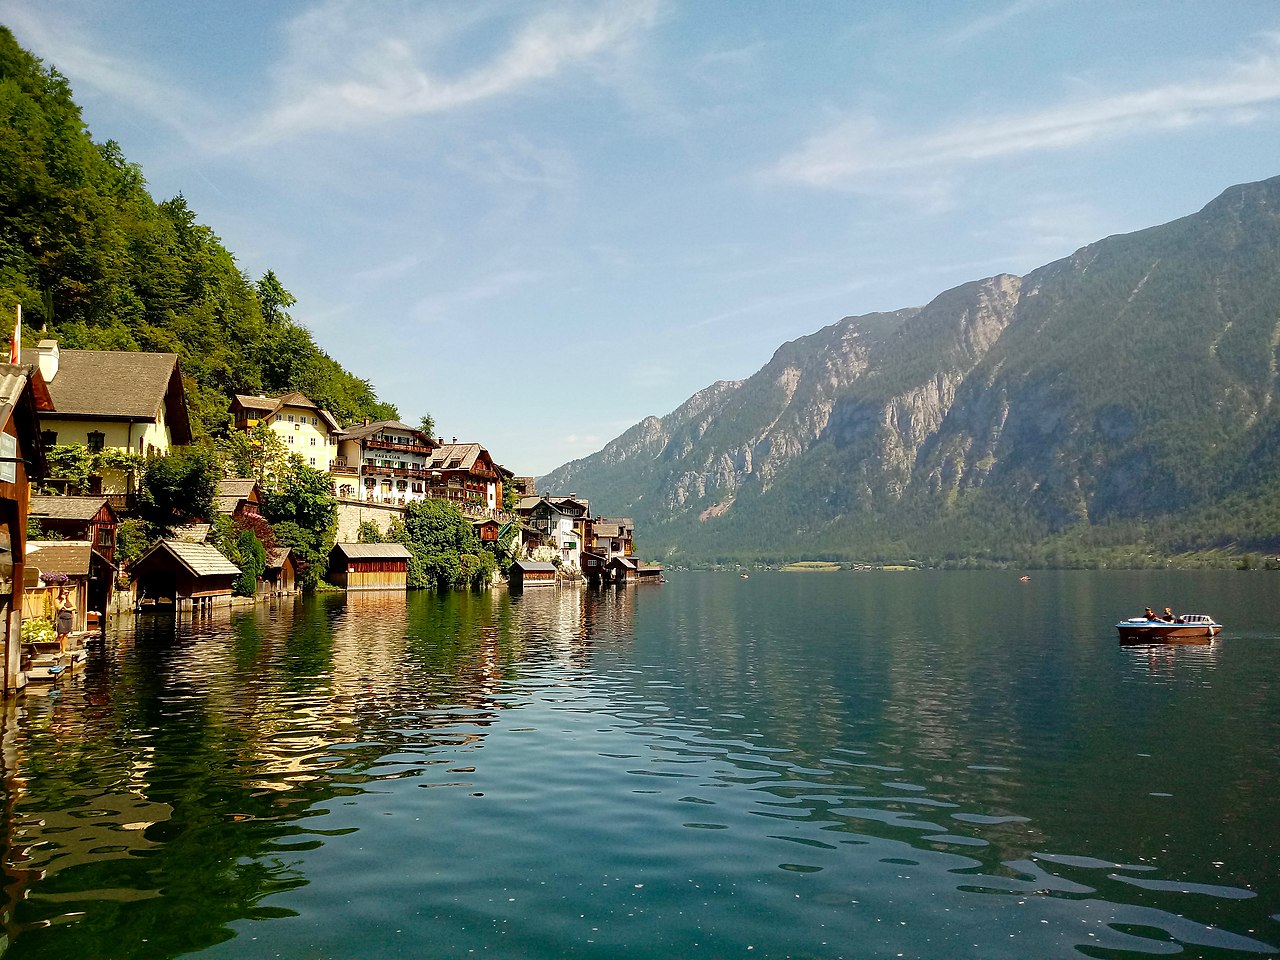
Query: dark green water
{"x": 794, "y": 765}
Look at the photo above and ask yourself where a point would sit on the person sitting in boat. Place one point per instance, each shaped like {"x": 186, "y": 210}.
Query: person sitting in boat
{"x": 1150, "y": 614}
{"x": 1168, "y": 616}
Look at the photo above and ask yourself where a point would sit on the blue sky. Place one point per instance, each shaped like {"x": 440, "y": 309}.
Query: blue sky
{"x": 542, "y": 222}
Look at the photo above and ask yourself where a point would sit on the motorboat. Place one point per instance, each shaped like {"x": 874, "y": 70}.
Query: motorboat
{"x": 1188, "y": 628}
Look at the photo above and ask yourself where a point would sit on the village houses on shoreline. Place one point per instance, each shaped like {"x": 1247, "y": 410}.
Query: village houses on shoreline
{"x": 129, "y": 406}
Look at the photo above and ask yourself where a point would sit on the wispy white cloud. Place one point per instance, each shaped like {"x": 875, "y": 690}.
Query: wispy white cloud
{"x": 444, "y": 305}
{"x": 350, "y": 64}
{"x": 986, "y": 23}
{"x": 857, "y": 151}
{"x": 65, "y": 43}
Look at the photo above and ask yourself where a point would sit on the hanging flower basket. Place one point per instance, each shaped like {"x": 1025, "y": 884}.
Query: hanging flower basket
{"x": 54, "y": 578}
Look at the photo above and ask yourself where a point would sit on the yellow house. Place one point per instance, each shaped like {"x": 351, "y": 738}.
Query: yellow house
{"x": 112, "y": 400}
{"x": 306, "y": 429}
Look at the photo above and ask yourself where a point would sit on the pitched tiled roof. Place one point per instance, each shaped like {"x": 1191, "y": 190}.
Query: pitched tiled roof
{"x": 232, "y": 492}
{"x": 535, "y": 566}
{"x": 253, "y": 401}
{"x": 120, "y": 385}
{"x": 455, "y": 456}
{"x": 240, "y": 487}
{"x": 60, "y": 556}
{"x": 193, "y": 532}
{"x": 200, "y": 558}
{"x": 373, "y": 551}
{"x": 270, "y": 405}
{"x": 66, "y": 508}
{"x": 362, "y": 430}
{"x": 276, "y": 557}
{"x": 16, "y": 381}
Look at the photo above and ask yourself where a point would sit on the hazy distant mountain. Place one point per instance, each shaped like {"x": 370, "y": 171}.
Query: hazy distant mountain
{"x": 1126, "y": 393}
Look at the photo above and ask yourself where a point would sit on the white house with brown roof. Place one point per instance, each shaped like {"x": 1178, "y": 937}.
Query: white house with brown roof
{"x": 306, "y": 428}
{"x": 557, "y": 522}
{"x": 383, "y": 462}
{"x": 112, "y": 400}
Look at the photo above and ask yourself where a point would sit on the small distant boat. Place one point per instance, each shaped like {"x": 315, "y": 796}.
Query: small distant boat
{"x": 1024, "y": 579}
{"x": 742, "y": 576}
{"x": 1189, "y": 628}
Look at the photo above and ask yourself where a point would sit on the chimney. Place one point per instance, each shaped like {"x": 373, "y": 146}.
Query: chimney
{"x": 48, "y": 362}
{"x": 366, "y": 421}
{"x": 455, "y": 439}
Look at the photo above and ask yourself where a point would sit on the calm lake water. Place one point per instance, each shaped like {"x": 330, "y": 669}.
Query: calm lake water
{"x": 859, "y": 765}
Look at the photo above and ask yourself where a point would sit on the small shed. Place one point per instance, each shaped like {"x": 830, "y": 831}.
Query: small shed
{"x": 281, "y": 573}
{"x": 649, "y": 572}
{"x": 238, "y": 497}
{"x": 73, "y": 565}
{"x": 532, "y": 573}
{"x": 186, "y": 575}
{"x": 369, "y": 566}
{"x": 79, "y": 518}
{"x": 620, "y": 570}
{"x": 487, "y": 529}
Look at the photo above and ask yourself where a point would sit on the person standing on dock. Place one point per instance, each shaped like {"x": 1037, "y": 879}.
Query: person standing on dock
{"x": 64, "y": 617}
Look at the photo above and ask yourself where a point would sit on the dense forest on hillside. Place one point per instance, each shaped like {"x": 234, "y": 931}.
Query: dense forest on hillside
{"x": 96, "y": 263}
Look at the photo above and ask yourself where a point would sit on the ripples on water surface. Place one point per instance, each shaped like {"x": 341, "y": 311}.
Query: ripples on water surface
{"x": 798, "y": 765}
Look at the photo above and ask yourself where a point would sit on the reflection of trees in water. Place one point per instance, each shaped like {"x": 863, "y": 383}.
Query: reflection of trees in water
{"x": 155, "y": 804}
{"x": 151, "y": 805}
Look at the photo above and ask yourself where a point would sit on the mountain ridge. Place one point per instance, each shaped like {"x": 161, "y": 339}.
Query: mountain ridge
{"x": 1130, "y": 381}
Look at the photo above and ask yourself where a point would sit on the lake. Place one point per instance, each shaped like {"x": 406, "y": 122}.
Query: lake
{"x": 822, "y": 765}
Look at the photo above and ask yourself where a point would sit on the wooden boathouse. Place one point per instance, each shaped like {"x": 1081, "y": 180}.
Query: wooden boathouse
{"x": 22, "y": 395}
{"x": 188, "y": 576}
{"x": 532, "y": 573}
{"x": 71, "y": 565}
{"x": 281, "y": 573}
{"x": 369, "y": 566}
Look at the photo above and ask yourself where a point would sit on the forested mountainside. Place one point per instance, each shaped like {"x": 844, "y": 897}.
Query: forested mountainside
{"x": 1117, "y": 403}
{"x": 101, "y": 265}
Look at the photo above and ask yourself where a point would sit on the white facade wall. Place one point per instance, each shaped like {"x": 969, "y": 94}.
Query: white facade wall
{"x": 305, "y": 433}
{"x": 567, "y": 542}
{"x": 142, "y": 438}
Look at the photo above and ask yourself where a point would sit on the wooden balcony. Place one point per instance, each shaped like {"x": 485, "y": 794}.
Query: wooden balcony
{"x": 408, "y": 473}
{"x": 373, "y": 443}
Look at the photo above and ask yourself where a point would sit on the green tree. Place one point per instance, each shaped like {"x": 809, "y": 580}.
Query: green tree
{"x": 258, "y": 452}
{"x": 253, "y": 561}
{"x": 94, "y": 258}
{"x": 273, "y": 299}
{"x": 178, "y": 488}
{"x": 427, "y": 425}
{"x": 131, "y": 540}
{"x": 304, "y": 516}
{"x": 445, "y": 549}
{"x": 368, "y": 532}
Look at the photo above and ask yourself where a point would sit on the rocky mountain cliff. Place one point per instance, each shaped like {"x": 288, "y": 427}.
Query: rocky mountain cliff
{"x": 1131, "y": 382}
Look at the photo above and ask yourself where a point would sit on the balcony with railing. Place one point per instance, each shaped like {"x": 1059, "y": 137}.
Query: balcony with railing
{"x": 378, "y": 443}
{"x": 378, "y": 470}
